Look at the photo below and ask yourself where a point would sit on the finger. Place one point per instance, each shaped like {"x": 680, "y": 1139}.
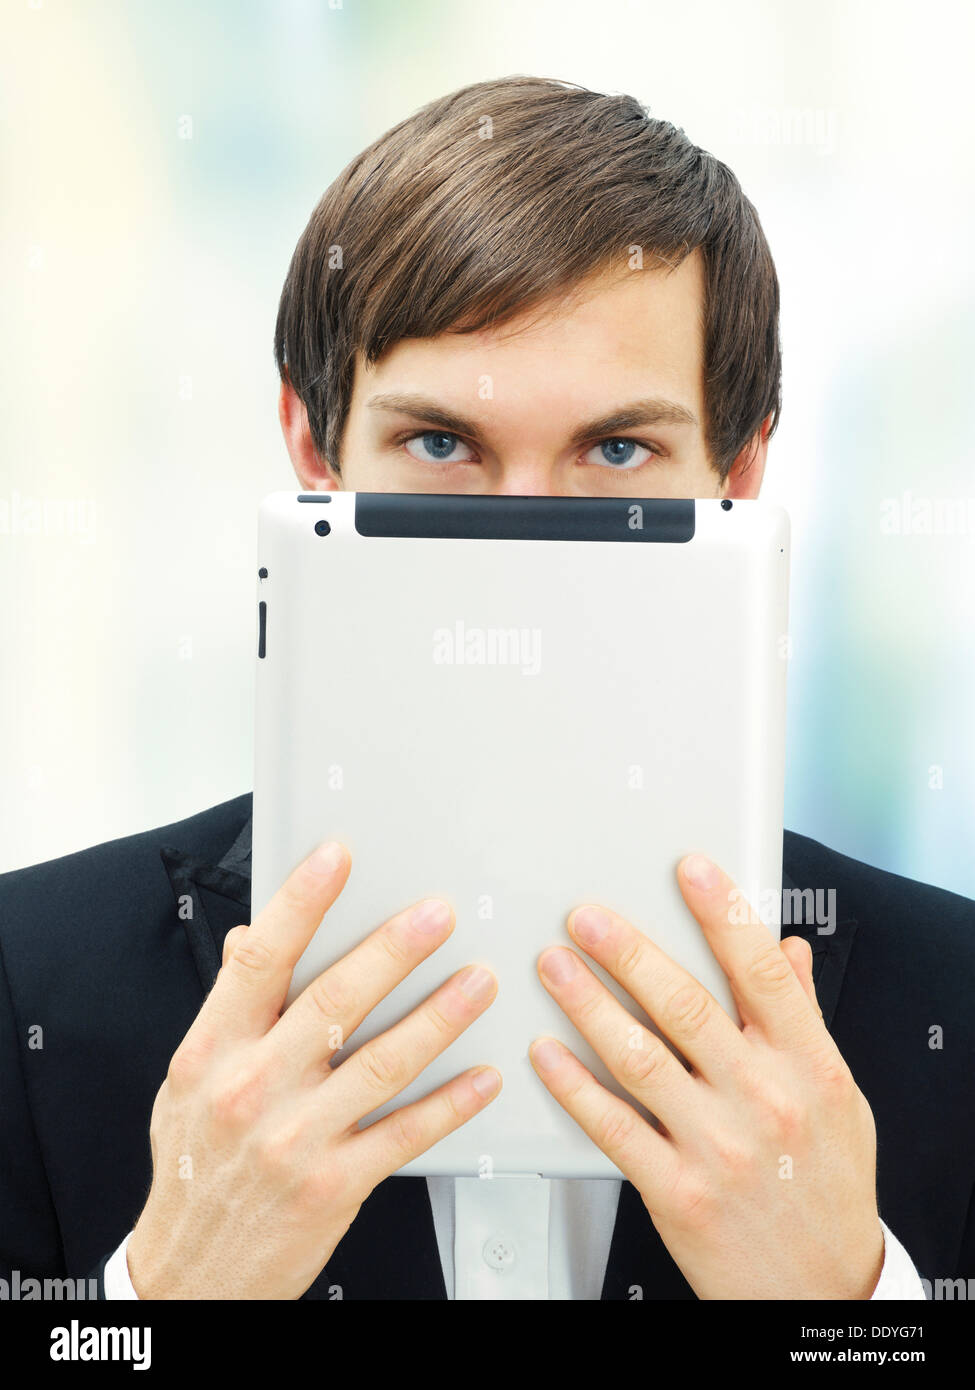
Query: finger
{"x": 647, "y": 1159}
{"x": 680, "y": 1006}
{"x": 379, "y": 1069}
{"x": 397, "y": 1138}
{"x": 639, "y": 1060}
{"x": 800, "y": 955}
{"x": 250, "y": 989}
{"x": 329, "y": 1010}
{"x": 764, "y": 984}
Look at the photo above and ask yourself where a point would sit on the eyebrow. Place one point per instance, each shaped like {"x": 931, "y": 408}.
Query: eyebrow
{"x": 651, "y": 410}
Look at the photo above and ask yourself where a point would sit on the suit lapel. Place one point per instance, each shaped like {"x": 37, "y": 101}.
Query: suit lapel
{"x": 210, "y": 899}
{"x": 390, "y": 1250}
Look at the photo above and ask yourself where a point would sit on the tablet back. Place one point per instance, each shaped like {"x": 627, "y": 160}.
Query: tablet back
{"x": 519, "y": 704}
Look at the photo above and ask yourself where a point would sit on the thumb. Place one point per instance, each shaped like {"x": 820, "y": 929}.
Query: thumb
{"x": 799, "y": 954}
{"x": 230, "y": 941}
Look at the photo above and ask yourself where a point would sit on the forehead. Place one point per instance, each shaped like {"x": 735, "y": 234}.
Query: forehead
{"x": 626, "y": 333}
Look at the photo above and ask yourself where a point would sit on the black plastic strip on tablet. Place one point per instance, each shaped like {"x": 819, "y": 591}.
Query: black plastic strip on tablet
{"x": 452, "y": 516}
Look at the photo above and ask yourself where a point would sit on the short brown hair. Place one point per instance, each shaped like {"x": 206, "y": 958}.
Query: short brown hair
{"x": 492, "y": 199}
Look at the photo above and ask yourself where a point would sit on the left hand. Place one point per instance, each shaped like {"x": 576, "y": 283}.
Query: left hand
{"x": 761, "y": 1180}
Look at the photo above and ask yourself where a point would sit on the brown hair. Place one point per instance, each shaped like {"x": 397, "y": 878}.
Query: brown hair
{"x": 490, "y": 200}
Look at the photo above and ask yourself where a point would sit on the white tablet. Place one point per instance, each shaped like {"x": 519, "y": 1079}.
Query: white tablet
{"x": 519, "y": 704}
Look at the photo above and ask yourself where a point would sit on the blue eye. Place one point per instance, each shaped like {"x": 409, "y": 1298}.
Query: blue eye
{"x": 618, "y": 453}
{"x": 437, "y": 446}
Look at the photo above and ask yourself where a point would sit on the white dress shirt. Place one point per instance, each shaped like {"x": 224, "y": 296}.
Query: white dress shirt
{"x": 536, "y": 1238}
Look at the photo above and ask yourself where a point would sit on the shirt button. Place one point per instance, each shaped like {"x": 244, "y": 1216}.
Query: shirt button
{"x": 499, "y": 1253}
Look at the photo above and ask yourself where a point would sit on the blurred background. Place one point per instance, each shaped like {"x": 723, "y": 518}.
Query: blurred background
{"x": 158, "y": 162}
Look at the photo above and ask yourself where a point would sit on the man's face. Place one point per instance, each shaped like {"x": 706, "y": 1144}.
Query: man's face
{"x": 598, "y": 395}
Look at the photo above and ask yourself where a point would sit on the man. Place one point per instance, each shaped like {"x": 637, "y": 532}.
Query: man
{"x": 525, "y": 288}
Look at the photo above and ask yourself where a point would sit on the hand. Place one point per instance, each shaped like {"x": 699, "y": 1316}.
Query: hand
{"x": 761, "y": 1178}
{"x": 259, "y": 1166}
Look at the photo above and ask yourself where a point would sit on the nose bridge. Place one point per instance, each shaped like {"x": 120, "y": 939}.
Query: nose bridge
{"x": 531, "y": 481}
{"x": 530, "y": 447}
{"x": 530, "y": 471}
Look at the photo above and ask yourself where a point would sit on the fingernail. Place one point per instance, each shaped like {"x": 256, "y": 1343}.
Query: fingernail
{"x": 701, "y": 873}
{"x": 590, "y": 925}
{"x": 475, "y": 982}
{"x": 547, "y": 1054}
{"x": 432, "y": 915}
{"x": 327, "y": 858}
{"x": 559, "y": 965}
{"x": 486, "y": 1082}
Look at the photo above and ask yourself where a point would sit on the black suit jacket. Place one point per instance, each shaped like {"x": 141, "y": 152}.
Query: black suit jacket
{"x": 96, "y": 952}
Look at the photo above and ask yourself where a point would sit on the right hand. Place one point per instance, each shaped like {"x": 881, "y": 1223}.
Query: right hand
{"x": 259, "y": 1167}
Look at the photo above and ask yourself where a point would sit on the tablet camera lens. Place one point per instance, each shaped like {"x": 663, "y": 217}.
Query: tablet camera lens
{"x": 322, "y": 528}
{"x": 726, "y": 505}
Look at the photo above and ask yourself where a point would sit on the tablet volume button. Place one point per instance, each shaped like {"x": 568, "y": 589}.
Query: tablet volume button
{"x": 261, "y": 629}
